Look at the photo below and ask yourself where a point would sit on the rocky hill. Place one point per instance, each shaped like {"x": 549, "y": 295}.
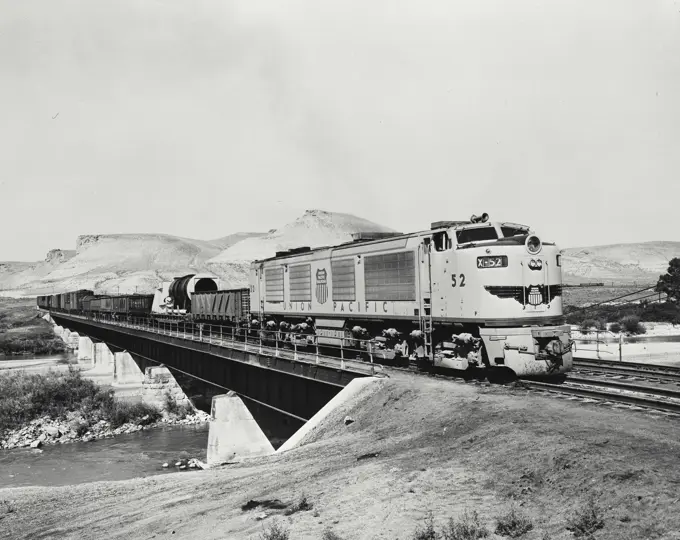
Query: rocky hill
{"x": 137, "y": 262}
{"x": 315, "y": 228}
{"x": 619, "y": 263}
{"x": 110, "y": 263}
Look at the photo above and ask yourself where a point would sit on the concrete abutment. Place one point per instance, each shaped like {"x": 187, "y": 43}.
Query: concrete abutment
{"x": 234, "y": 434}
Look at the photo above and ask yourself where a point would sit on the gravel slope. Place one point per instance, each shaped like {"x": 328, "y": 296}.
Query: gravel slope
{"x": 441, "y": 446}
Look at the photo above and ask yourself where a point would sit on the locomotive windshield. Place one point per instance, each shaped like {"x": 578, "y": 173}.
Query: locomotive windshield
{"x": 476, "y": 234}
{"x": 513, "y": 231}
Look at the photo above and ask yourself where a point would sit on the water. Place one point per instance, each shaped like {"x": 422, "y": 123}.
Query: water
{"x": 121, "y": 458}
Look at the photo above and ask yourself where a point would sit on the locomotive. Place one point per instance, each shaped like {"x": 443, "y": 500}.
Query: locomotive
{"x": 460, "y": 295}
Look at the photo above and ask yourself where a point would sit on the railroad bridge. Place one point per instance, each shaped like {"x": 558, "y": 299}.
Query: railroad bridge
{"x": 276, "y": 384}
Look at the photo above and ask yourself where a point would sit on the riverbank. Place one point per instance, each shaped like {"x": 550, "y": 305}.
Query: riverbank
{"x": 59, "y": 407}
{"x": 23, "y": 331}
{"x": 418, "y": 445}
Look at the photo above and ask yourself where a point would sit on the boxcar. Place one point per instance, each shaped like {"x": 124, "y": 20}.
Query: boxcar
{"x": 140, "y": 304}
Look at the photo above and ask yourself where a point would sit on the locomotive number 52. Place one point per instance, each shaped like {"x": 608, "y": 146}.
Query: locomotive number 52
{"x": 454, "y": 281}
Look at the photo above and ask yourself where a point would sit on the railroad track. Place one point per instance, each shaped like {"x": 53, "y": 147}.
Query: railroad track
{"x": 631, "y": 369}
{"x": 604, "y": 390}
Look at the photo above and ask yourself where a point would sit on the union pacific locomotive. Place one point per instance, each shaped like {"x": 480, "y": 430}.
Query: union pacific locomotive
{"x": 462, "y": 294}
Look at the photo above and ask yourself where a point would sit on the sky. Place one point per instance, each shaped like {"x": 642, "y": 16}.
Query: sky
{"x": 205, "y": 118}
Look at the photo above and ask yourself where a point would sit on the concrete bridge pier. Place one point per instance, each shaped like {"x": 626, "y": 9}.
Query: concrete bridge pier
{"x": 159, "y": 386}
{"x": 125, "y": 370}
{"x": 73, "y": 341}
{"x": 234, "y": 434}
{"x": 85, "y": 351}
{"x": 102, "y": 361}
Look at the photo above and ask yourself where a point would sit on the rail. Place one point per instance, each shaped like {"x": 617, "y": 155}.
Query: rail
{"x": 286, "y": 345}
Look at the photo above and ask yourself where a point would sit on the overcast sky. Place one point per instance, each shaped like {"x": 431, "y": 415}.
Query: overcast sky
{"x": 209, "y": 117}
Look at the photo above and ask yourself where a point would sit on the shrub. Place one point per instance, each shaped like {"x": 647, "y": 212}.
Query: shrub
{"x": 25, "y": 396}
{"x": 615, "y": 327}
{"x": 171, "y": 406}
{"x": 586, "y": 520}
{"x": 275, "y": 532}
{"x": 469, "y": 527}
{"x": 119, "y": 413}
{"x": 513, "y": 524}
{"x": 328, "y": 534}
{"x": 428, "y": 532}
{"x": 631, "y": 324}
{"x": 302, "y": 505}
{"x": 587, "y": 325}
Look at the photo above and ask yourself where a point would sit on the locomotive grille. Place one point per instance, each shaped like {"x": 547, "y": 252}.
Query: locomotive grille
{"x": 531, "y": 293}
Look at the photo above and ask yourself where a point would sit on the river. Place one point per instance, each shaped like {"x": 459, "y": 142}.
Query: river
{"x": 119, "y": 458}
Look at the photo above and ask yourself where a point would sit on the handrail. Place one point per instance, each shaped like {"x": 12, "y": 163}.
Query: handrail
{"x": 286, "y": 348}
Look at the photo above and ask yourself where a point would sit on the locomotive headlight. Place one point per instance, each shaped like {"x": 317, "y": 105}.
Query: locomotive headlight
{"x": 533, "y": 245}
{"x": 535, "y": 264}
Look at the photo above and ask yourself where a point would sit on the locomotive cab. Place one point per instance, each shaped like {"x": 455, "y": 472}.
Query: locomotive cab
{"x": 501, "y": 283}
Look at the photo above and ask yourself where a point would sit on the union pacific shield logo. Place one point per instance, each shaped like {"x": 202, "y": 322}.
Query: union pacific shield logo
{"x": 321, "y": 286}
{"x": 535, "y": 296}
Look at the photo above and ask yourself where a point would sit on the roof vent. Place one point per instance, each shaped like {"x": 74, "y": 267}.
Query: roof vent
{"x": 368, "y": 236}
{"x": 445, "y": 224}
{"x": 302, "y": 249}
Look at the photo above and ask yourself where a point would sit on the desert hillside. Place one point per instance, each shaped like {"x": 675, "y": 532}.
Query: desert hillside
{"x": 137, "y": 262}
{"x": 642, "y": 262}
{"x": 315, "y": 228}
{"x": 112, "y": 262}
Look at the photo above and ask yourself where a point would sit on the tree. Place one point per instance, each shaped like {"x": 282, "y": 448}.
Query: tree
{"x": 669, "y": 283}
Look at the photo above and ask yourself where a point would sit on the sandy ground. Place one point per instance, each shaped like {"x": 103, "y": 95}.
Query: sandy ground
{"x": 441, "y": 446}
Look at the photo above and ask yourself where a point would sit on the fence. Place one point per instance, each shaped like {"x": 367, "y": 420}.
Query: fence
{"x": 620, "y": 347}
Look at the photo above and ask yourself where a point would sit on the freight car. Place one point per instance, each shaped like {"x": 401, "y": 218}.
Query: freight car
{"x": 462, "y": 294}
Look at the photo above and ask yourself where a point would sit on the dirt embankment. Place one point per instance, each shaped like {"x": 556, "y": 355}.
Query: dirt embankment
{"x": 418, "y": 445}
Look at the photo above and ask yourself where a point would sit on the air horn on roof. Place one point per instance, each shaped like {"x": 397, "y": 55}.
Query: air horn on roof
{"x": 479, "y": 219}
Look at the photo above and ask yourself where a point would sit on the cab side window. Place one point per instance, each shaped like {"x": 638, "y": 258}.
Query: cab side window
{"x": 441, "y": 241}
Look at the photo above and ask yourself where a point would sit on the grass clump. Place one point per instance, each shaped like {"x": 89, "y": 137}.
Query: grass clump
{"x": 587, "y": 520}
{"x": 302, "y": 505}
{"x": 468, "y": 527}
{"x": 275, "y": 532}
{"x": 513, "y": 524}
{"x": 427, "y": 532}
{"x": 329, "y": 534}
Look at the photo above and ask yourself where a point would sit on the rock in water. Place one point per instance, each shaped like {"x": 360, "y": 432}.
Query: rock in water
{"x": 36, "y": 444}
{"x": 165, "y": 465}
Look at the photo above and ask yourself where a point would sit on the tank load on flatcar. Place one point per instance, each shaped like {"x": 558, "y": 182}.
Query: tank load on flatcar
{"x": 174, "y": 297}
{"x": 462, "y": 294}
